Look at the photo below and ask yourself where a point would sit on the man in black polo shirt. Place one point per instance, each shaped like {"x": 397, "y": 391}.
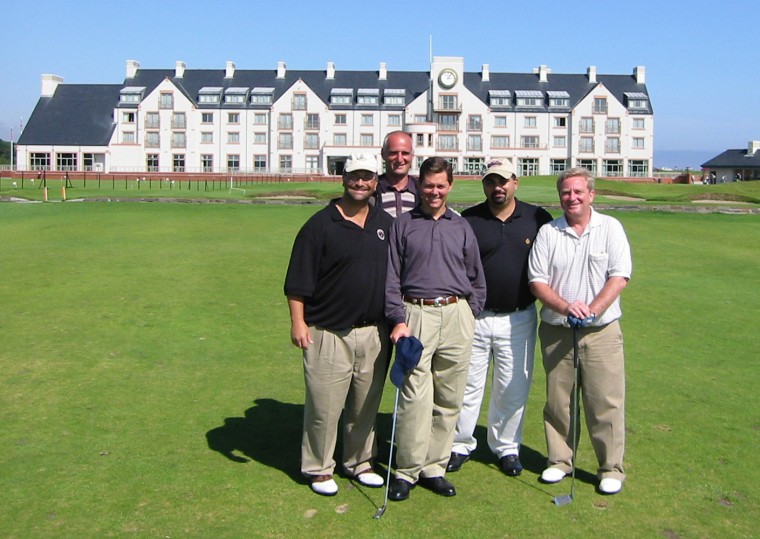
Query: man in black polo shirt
{"x": 335, "y": 287}
{"x": 506, "y": 329}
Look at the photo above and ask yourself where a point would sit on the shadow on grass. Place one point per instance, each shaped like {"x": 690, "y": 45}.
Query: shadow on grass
{"x": 269, "y": 433}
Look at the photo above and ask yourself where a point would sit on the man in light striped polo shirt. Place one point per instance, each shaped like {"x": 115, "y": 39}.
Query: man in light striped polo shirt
{"x": 397, "y": 191}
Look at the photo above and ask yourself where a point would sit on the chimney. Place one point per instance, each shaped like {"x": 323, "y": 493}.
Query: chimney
{"x": 640, "y": 72}
{"x": 591, "y": 72}
{"x": 179, "y": 69}
{"x": 752, "y": 147}
{"x": 132, "y": 67}
{"x": 229, "y": 70}
{"x": 49, "y": 84}
{"x": 383, "y": 71}
{"x": 486, "y": 73}
{"x": 281, "y": 69}
{"x": 330, "y": 70}
{"x": 543, "y": 72}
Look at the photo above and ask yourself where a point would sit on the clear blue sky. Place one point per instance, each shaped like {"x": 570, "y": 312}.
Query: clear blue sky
{"x": 702, "y": 62}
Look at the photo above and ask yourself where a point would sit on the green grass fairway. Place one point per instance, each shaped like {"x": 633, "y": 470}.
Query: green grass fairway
{"x": 149, "y": 388}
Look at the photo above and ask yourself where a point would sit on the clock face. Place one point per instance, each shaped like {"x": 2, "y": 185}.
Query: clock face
{"x": 447, "y": 78}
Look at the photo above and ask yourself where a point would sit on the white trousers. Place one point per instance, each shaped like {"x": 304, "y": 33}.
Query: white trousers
{"x": 510, "y": 340}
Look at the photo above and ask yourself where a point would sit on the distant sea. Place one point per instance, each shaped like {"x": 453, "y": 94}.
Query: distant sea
{"x": 681, "y": 159}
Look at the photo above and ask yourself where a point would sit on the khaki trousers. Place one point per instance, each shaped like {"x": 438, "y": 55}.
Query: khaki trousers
{"x": 344, "y": 373}
{"x": 432, "y": 394}
{"x": 602, "y": 384}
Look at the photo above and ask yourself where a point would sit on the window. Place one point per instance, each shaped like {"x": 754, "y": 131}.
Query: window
{"x": 474, "y": 143}
{"x": 152, "y": 120}
{"x": 233, "y": 163}
{"x": 166, "y": 100}
{"x": 312, "y": 163}
{"x": 233, "y": 117}
{"x": 612, "y": 167}
{"x": 285, "y": 141}
{"x": 66, "y": 161}
{"x": 559, "y": 102}
{"x": 311, "y": 141}
{"x": 612, "y": 126}
{"x": 208, "y": 98}
{"x": 312, "y": 121}
{"x": 367, "y": 100}
{"x": 39, "y": 161}
{"x": 207, "y": 117}
{"x": 341, "y": 99}
{"x": 178, "y": 139}
{"x": 367, "y": 119}
{"x": 475, "y": 122}
{"x": 600, "y": 105}
{"x": 560, "y": 142}
{"x": 285, "y": 121}
{"x": 394, "y": 100}
{"x": 133, "y": 95}
{"x": 638, "y": 169}
{"x": 500, "y": 121}
{"x": 529, "y": 142}
{"x": 587, "y": 125}
{"x": 259, "y": 138}
{"x": 638, "y": 123}
{"x": 234, "y": 97}
{"x": 366, "y": 140}
{"x": 207, "y": 163}
{"x": 448, "y": 122}
{"x": 499, "y": 101}
{"x": 527, "y": 167}
{"x": 420, "y": 118}
{"x": 233, "y": 138}
{"x": 447, "y": 142}
{"x": 500, "y": 141}
{"x": 299, "y": 101}
{"x": 128, "y": 117}
{"x": 588, "y": 164}
{"x": 151, "y": 162}
{"x": 178, "y": 120}
{"x": 260, "y": 118}
{"x": 474, "y": 165}
{"x": 128, "y": 137}
{"x": 207, "y": 137}
{"x": 339, "y": 139}
{"x": 560, "y": 121}
{"x": 178, "y": 162}
{"x": 586, "y": 145}
{"x": 152, "y": 139}
{"x": 558, "y": 165}
{"x": 530, "y": 121}
{"x": 340, "y": 119}
{"x": 638, "y": 142}
{"x": 394, "y": 119}
{"x": 259, "y": 163}
{"x": 447, "y": 102}
{"x": 530, "y": 102}
{"x": 89, "y": 160}
{"x": 286, "y": 163}
{"x": 420, "y": 140}
{"x": 612, "y": 145}
{"x": 262, "y": 96}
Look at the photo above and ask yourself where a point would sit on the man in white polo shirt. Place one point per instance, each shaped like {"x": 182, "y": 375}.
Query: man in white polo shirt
{"x": 579, "y": 265}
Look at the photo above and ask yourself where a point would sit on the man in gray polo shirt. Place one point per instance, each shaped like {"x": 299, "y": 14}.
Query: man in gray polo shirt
{"x": 434, "y": 289}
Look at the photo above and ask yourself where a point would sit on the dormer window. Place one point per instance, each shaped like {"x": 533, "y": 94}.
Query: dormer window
{"x": 131, "y": 94}
{"x": 341, "y": 96}
{"x": 637, "y": 100}
{"x": 262, "y": 96}
{"x": 209, "y": 95}
{"x": 529, "y": 98}
{"x": 235, "y": 95}
{"x": 558, "y": 99}
{"x": 368, "y": 96}
{"x": 394, "y": 97}
{"x": 499, "y": 98}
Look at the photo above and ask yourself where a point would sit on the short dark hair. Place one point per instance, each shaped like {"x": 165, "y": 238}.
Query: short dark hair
{"x": 436, "y": 165}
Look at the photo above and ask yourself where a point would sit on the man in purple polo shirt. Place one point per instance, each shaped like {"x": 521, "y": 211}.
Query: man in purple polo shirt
{"x": 434, "y": 289}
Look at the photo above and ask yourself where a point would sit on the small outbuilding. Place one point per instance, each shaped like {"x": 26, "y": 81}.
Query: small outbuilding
{"x": 735, "y": 165}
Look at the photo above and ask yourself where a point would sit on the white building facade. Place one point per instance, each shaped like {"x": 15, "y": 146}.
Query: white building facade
{"x": 280, "y": 121}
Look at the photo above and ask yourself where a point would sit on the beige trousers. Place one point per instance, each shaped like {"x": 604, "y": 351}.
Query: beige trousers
{"x": 344, "y": 373}
{"x": 602, "y": 384}
{"x": 432, "y": 394}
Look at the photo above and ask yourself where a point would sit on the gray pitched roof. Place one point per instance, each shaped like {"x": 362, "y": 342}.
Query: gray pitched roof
{"x": 76, "y": 114}
{"x": 734, "y": 159}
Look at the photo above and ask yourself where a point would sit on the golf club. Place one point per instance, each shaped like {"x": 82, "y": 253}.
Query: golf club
{"x": 381, "y": 510}
{"x": 576, "y": 324}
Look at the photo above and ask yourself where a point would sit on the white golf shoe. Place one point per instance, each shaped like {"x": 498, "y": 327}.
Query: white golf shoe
{"x": 552, "y": 475}
{"x": 370, "y": 479}
{"x": 324, "y": 485}
{"x": 610, "y": 485}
